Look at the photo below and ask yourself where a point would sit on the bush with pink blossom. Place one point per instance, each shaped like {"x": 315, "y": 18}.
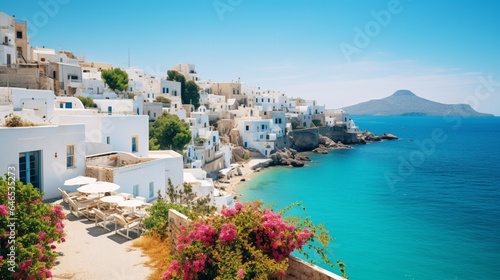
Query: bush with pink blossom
{"x": 28, "y": 233}
{"x": 245, "y": 242}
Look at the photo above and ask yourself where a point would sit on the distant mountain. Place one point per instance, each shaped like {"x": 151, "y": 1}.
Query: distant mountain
{"x": 406, "y": 103}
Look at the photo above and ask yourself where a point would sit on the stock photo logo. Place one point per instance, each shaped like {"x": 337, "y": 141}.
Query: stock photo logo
{"x": 223, "y": 6}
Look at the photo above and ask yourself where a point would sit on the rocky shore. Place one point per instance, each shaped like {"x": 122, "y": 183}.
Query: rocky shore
{"x": 283, "y": 157}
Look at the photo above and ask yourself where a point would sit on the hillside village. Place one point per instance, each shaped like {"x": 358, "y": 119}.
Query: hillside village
{"x": 111, "y": 142}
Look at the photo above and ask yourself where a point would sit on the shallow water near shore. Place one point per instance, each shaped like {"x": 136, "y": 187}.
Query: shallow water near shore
{"x": 422, "y": 207}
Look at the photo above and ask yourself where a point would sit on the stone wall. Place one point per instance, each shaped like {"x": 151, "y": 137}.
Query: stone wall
{"x": 297, "y": 270}
{"x": 28, "y": 77}
{"x": 283, "y": 142}
{"x": 175, "y": 221}
{"x": 100, "y": 173}
{"x": 304, "y": 139}
{"x": 339, "y": 133}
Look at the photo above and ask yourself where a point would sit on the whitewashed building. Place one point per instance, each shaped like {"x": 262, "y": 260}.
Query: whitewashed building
{"x": 92, "y": 84}
{"x": 30, "y": 104}
{"x": 173, "y": 169}
{"x": 138, "y": 176}
{"x": 7, "y": 40}
{"x": 257, "y": 134}
{"x": 204, "y": 187}
{"x": 44, "y": 155}
{"x": 125, "y": 133}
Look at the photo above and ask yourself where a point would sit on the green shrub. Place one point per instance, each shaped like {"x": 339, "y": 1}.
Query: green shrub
{"x": 87, "y": 102}
{"x": 163, "y": 99}
{"x": 183, "y": 200}
{"x": 317, "y": 123}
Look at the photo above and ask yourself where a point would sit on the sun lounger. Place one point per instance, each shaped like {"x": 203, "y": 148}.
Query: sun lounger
{"x": 78, "y": 209}
{"x": 128, "y": 224}
{"x": 106, "y": 216}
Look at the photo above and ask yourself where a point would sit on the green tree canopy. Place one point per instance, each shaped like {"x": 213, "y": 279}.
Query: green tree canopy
{"x": 189, "y": 90}
{"x": 87, "y": 102}
{"x": 191, "y": 94}
{"x": 178, "y": 77}
{"x": 168, "y": 131}
{"x": 116, "y": 79}
{"x": 163, "y": 99}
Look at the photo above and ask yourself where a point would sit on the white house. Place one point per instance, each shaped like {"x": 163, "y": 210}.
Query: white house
{"x": 138, "y": 176}
{"x": 257, "y": 134}
{"x": 135, "y": 79}
{"x": 204, "y": 187}
{"x": 115, "y": 106}
{"x": 125, "y": 133}
{"x": 341, "y": 117}
{"x": 173, "y": 165}
{"x": 67, "y": 77}
{"x": 170, "y": 88}
{"x": 153, "y": 110}
{"x": 92, "y": 83}
{"x": 30, "y": 104}
{"x": 68, "y": 102}
{"x": 7, "y": 40}
{"x": 44, "y": 155}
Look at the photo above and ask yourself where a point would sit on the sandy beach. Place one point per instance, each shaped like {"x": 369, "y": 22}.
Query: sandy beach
{"x": 232, "y": 184}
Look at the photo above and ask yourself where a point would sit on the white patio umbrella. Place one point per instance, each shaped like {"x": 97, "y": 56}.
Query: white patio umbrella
{"x": 98, "y": 187}
{"x": 79, "y": 180}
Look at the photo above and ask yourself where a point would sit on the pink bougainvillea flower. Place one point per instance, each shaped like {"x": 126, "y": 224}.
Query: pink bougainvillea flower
{"x": 241, "y": 273}
{"x": 4, "y": 211}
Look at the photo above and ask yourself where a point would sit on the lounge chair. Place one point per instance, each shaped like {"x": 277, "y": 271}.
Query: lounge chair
{"x": 143, "y": 209}
{"x": 76, "y": 197}
{"x": 143, "y": 199}
{"x": 78, "y": 209}
{"x": 66, "y": 196}
{"x": 127, "y": 226}
{"x": 106, "y": 216}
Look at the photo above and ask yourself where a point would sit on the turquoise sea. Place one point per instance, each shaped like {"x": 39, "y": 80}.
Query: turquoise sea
{"x": 426, "y": 206}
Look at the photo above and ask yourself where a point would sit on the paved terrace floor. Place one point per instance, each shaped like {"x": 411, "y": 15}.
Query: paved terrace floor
{"x": 93, "y": 253}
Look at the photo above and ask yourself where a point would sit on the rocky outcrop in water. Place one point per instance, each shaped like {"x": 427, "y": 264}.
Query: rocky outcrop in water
{"x": 326, "y": 143}
{"x": 367, "y": 136}
{"x": 284, "y": 157}
{"x": 388, "y": 136}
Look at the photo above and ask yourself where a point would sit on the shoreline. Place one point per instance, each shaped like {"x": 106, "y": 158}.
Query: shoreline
{"x": 233, "y": 184}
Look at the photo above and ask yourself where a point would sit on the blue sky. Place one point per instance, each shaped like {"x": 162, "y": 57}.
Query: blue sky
{"x": 339, "y": 52}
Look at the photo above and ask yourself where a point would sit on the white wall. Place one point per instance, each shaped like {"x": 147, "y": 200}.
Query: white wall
{"x": 142, "y": 174}
{"x": 7, "y": 48}
{"x": 171, "y": 88}
{"x": 173, "y": 165}
{"x": 118, "y": 106}
{"x": 51, "y": 141}
{"x": 119, "y": 129}
{"x": 75, "y": 102}
{"x": 42, "y": 101}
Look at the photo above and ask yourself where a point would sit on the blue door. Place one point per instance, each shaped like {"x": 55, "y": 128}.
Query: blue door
{"x": 30, "y": 169}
